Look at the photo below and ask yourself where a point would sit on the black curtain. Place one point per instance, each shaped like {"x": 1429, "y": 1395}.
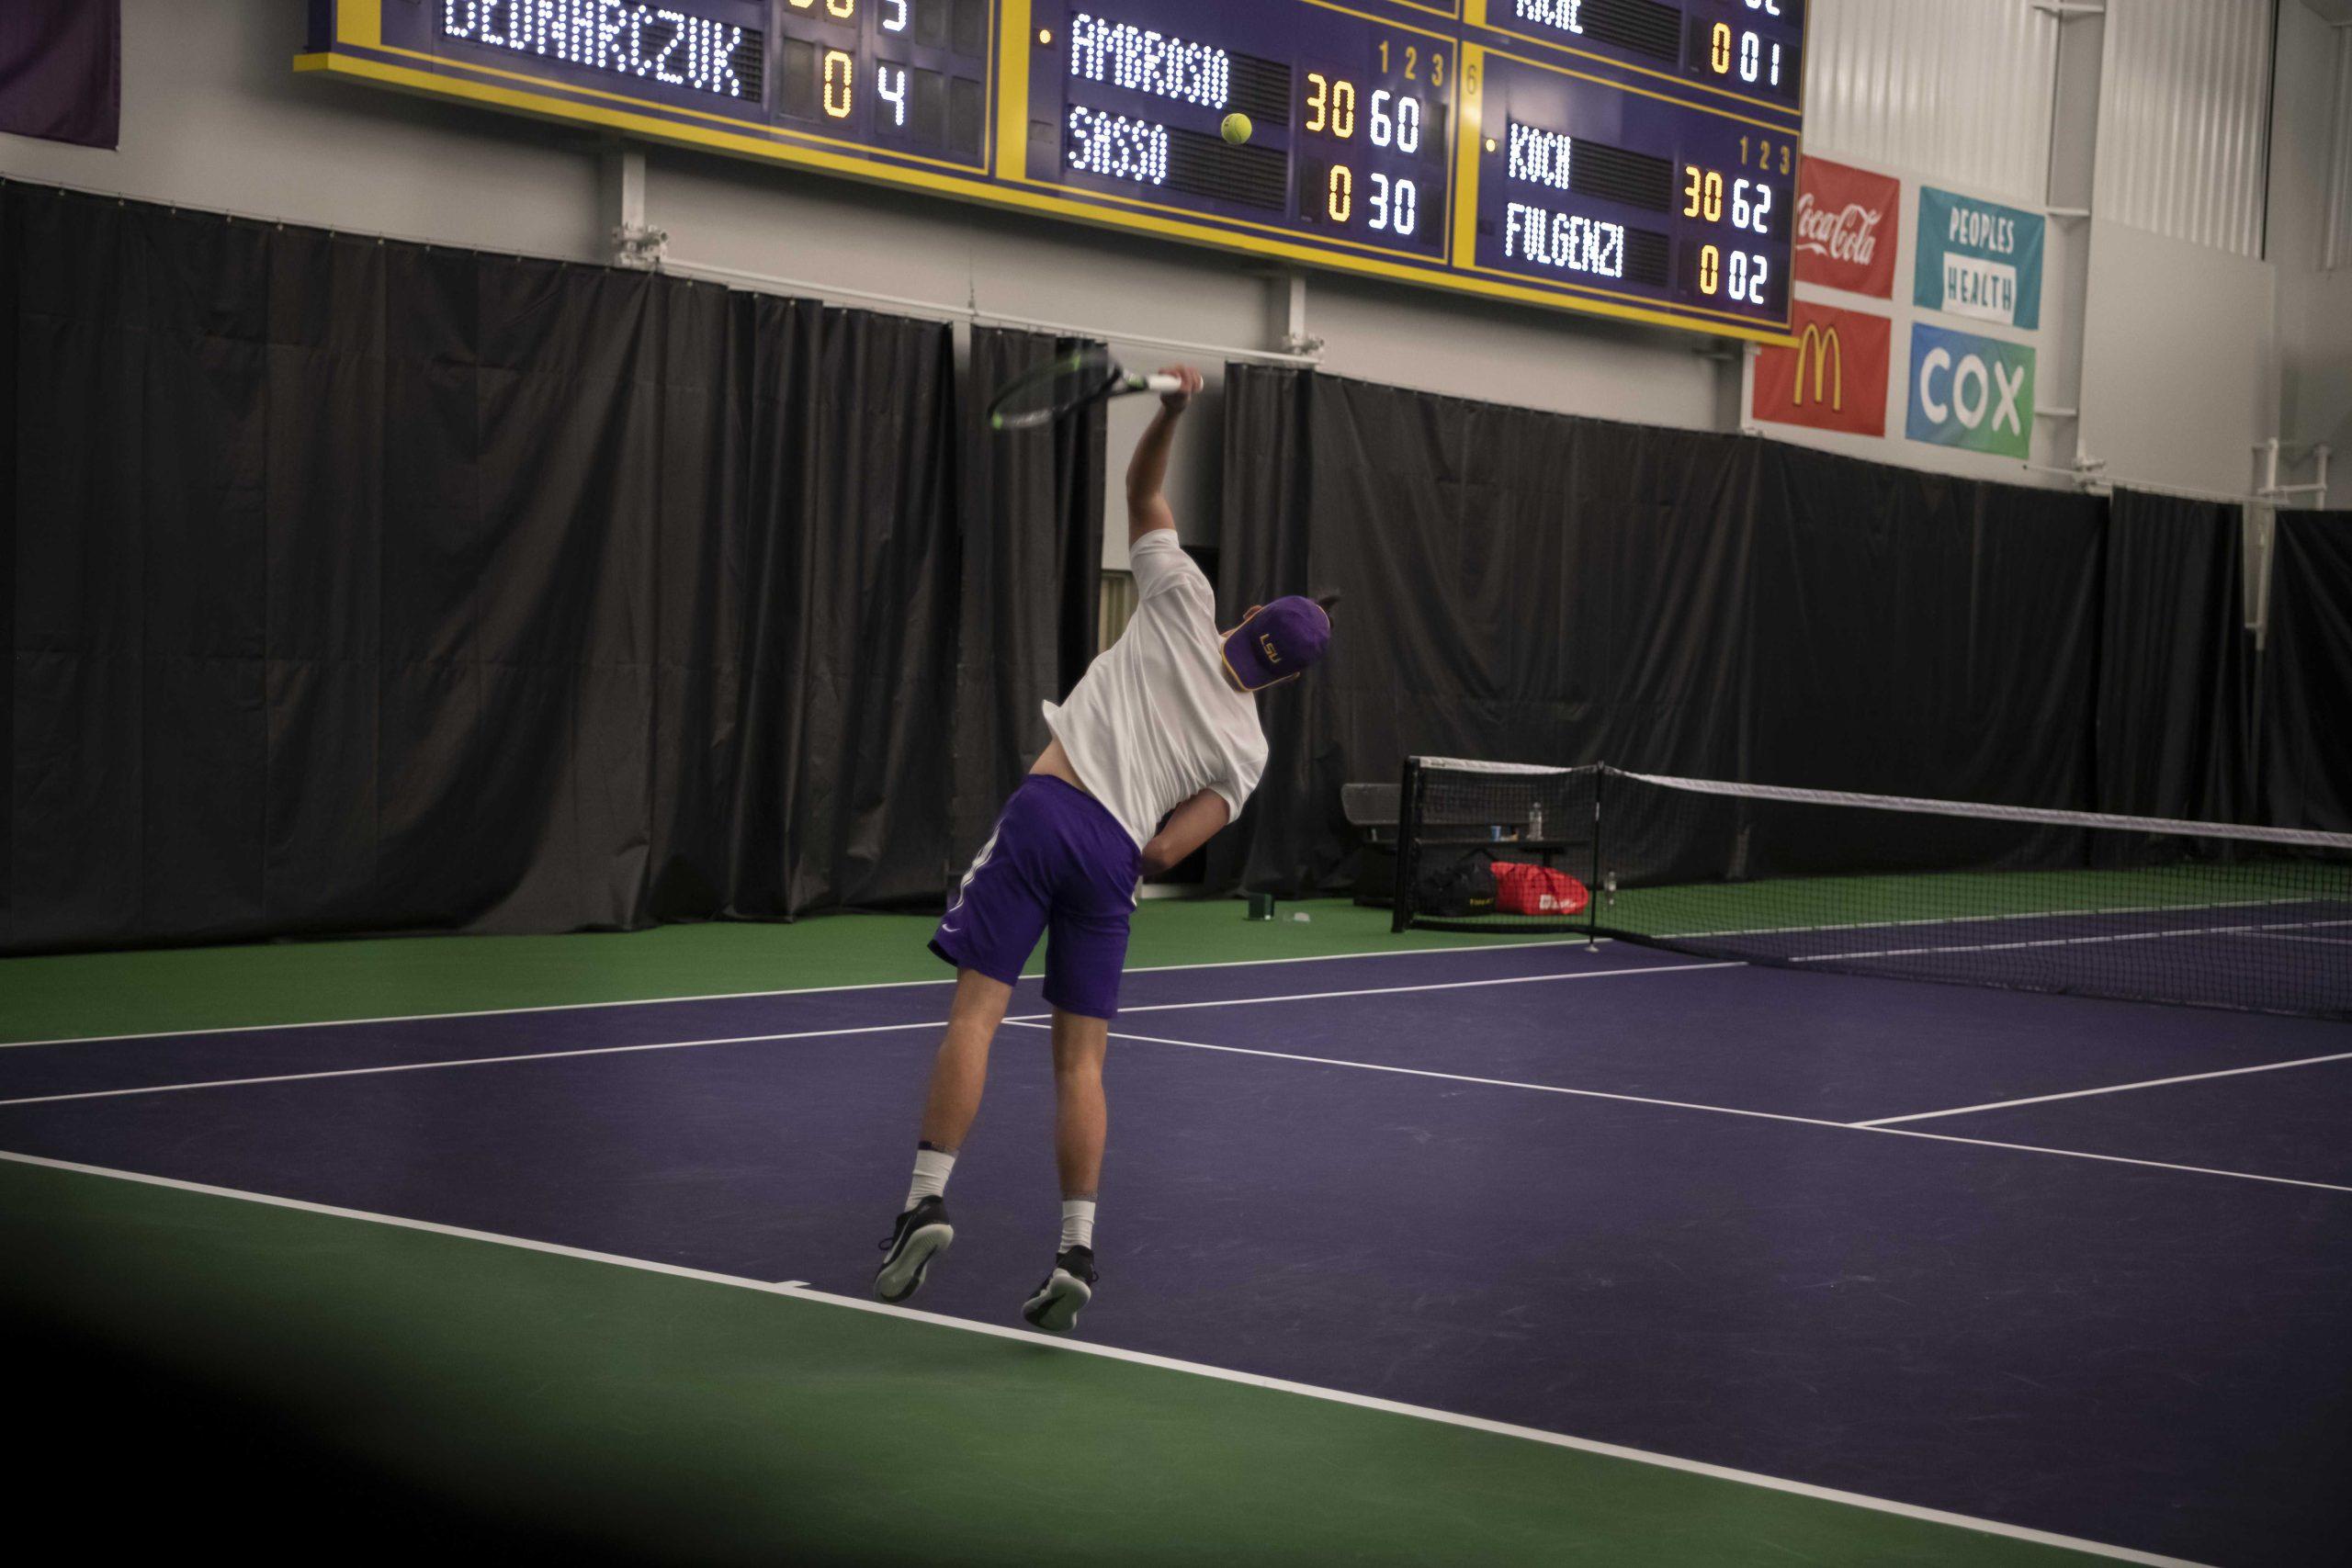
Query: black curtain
{"x": 371, "y": 586}
{"x": 1032, "y": 546}
{"x": 2176, "y": 688}
{"x": 2307, "y": 674}
{"x": 1539, "y": 587}
{"x": 1921, "y": 634}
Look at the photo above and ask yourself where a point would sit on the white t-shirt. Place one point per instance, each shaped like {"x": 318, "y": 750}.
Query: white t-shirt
{"x": 1155, "y": 721}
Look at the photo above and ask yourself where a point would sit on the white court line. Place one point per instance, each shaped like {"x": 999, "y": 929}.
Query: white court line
{"x": 785, "y": 991}
{"x": 1983, "y": 920}
{"x": 2110, "y": 1088}
{"x": 2289, "y": 936}
{"x": 1439, "y": 985}
{"x": 795, "y": 1290}
{"x": 1716, "y": 1110}
{"x": 2047, "y": 941}
{"x": 470, "y": 1061}
{"x": 1035, "y": 1018}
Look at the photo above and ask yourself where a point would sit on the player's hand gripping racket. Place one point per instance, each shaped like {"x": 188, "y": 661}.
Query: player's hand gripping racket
{"x": 1073, "y": 382}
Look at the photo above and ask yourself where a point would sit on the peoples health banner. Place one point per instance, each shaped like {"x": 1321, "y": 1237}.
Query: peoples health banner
{"x": 1972, "y": 392}
{"x": 1979, "y": 258}
{"x": 1834, "y": 377}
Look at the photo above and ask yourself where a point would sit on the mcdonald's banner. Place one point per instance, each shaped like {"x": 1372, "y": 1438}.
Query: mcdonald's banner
{"x": 1833, "y": 378}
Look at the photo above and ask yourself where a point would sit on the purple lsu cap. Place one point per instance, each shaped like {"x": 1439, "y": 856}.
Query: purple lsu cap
{"x": 1279, "y": 642}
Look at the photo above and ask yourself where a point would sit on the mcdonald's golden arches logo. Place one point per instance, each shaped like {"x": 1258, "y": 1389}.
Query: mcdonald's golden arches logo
{"x": 1831, "y": 374}
{"x": 1821, "y": 346}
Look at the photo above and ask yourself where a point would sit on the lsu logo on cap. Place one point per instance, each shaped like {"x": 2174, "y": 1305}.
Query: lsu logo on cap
{"x": 1266, "y": 641}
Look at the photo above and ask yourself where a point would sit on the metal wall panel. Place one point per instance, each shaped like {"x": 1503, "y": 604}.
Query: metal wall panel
{"x": 2184, "y": 119}
{"x": 1953, "y": 90}
{"x": 2339, "y": 158}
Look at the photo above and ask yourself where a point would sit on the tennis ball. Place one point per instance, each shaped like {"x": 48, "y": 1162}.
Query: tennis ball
{"x": 1237, "y": 128}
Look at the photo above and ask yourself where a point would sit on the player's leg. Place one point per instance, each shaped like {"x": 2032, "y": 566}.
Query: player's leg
{"x": 960, "y": 1071}
{"x": 988, "y": 931}
{"x": 1085, "y": 960}
{"x": 1082, "y": 1119}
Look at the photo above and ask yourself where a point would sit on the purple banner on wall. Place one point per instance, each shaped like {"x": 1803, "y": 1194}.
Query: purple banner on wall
{"x": 61, "y": 69}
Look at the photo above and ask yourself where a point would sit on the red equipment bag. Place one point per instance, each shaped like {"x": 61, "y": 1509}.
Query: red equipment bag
{"x": 1523, "y": 889}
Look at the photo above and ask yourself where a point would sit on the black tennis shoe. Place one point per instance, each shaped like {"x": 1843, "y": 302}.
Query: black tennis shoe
{"x": 1054, "y": 1306}
{"x": 921, "y": 1234}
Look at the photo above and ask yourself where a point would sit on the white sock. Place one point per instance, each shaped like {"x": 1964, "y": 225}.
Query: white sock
{"x": 1077, "y": 1222}
{"x": 932, "y": 1168}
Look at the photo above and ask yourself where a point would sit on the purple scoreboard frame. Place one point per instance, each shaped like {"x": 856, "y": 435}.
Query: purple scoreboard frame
{"x": 1634, "y": 158}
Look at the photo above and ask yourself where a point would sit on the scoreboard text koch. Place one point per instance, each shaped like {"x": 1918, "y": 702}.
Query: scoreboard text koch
{"x": 1632, "y": 157}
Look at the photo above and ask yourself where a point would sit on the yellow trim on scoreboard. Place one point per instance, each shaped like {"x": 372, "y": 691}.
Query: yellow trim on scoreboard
{"x": 1013, "y": 44}
{"x": 1469, "y": 138}
{"x": 360, "y": 22}
{"x": 1102, "y": 210}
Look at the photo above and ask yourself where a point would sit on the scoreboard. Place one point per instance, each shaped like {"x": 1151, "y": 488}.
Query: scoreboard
{"x": 1635, "y": 158}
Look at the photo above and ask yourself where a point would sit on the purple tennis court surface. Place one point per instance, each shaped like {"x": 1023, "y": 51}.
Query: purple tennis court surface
{"x": 1600, "y": 1191}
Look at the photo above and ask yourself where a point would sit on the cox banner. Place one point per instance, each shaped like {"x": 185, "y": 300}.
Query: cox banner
{"x": 1848, "y": 225}
{"x": 1834, "y": 376}
{"x": 1970, "y": 391}
{"x": 1979, "y": 258}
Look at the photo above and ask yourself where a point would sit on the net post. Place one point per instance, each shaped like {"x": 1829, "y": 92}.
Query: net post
{"x": 1408, "y": 812}
{"x": 1592, "y": 888}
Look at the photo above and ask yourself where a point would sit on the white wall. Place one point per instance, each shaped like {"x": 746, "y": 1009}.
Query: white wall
{"x": 2179, "y": 374}
{"x": 2184, "y": 119}
{"x": 2315, "y": 305}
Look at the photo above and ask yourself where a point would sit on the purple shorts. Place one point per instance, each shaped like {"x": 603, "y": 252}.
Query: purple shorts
{"x": 1057, "y": 858}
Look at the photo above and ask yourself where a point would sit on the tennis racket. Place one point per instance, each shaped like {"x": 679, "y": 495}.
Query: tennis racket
{"x": 1073, "y": 382}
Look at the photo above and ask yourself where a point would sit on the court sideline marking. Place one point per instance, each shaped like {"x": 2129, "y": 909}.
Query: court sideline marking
{"x": 815, "y": 1033}
{"x": 2061, "y": 941}
{"x": 784, "y": 991}
{"x": 2110, "y": 1089}
{"x": 1718, "y": 1109}
{"x": 793, "y": 1291}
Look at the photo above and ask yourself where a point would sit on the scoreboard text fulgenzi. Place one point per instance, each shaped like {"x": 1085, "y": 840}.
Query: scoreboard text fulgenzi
{"x": 1631, "y": 157}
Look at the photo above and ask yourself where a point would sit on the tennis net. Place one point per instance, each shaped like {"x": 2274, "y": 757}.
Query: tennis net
{"x": 2078, "y": 903}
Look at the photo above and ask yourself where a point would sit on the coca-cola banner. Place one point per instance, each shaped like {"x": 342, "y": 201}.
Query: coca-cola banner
{"x": 1848, "y": 223}
{"x": 1832, "y": 377}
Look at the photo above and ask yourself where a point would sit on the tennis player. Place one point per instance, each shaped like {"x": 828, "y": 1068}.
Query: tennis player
{"x": 1156, "y": 749}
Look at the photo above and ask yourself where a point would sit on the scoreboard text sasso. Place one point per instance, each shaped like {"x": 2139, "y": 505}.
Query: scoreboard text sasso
{"x": 1632, "y": 157}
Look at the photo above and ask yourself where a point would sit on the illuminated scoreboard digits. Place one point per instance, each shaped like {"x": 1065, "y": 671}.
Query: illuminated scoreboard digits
{"x": 1374, "y": 140}
{"x": 1747, "y": 46}
{"x": 1349, "y": 118}
{"x": 1631, "y": 197}
{"x": 910, "y": 74}
{"x": 1632, "y": 158}
{"x": 1751, "y": 49}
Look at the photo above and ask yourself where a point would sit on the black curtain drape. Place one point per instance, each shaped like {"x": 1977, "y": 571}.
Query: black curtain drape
{"x": 362, "y": 586}
{"x": 1922, "y": 635}
{"x": 1032, "y": 544}
{"x": 1540, "y": 587}
{"x": 2307, "y": 674}
{"x": 2175, "y": 681}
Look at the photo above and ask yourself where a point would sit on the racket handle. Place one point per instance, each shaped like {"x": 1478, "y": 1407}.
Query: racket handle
{"x": 1158, "y": 383}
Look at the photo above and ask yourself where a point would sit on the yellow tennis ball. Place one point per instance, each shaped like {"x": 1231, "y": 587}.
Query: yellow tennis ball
{"x": 1237, "y": 128}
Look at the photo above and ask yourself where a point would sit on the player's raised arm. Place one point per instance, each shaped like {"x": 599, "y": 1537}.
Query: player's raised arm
{"x": 1147, "y": 471}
